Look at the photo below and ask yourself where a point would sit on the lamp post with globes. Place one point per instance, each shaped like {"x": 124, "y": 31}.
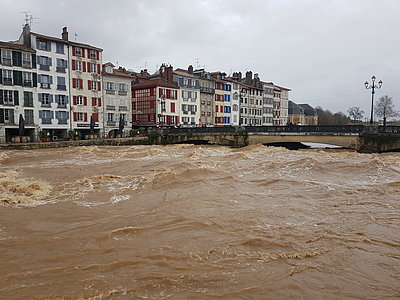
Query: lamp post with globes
{"x": 373, "y": 86}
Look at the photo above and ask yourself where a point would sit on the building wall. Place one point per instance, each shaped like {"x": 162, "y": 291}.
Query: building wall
{"x": 18, "y": 96}
{"x": 53, "y": 85}
{"x": 86, "y": 88}
{"x": 189, "y": 99}
{"x": 268, "y": 102}
{"x": 235, "y": 103}
{"x": 207, "y": 93}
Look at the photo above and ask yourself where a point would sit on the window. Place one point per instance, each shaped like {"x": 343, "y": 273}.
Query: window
{"x": 45, "y": 81}
{"x": 93, "y": 85}
{"x": 28, "y": 99}
{"x": 79, "y": 100}
{"x": 93, "y": 54}
{"x": 61, "y": 100}
{"x": 109, "y": 86}
{"x": 27, "y": 78}
{"x": 8, "y": 116}
{"x": 6, "y": 57}
{"x": 7, "y": 77}
{"x": 26, "y": 60}
{"x": 45, "y": 99}
{"x": 61, "y": 83}
{"x": 78, "y": 65}
{"x": 62, "y": 117}
{"x": 44, "y": 63}
{"x": 61, "y": 65}
{"x": 43, "y": 45}
{"x": 8, "y": 97}
{"x": 110, "y": 117}
{"x": 60, "y": 48}
{"x": 78, "y": 51}
{"x": 28, "y": 116}
{"x": 46, "y": 116}
{"x": 93, "y": 68}
{"x": 80, "y": 116}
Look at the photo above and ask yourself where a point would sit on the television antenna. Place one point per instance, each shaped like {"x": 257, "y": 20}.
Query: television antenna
{"x": 29, "y": 19}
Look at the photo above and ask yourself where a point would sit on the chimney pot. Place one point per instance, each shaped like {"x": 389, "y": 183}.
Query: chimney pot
{"x": 64, "y": 34}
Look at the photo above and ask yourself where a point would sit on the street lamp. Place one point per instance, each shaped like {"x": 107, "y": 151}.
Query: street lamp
{"x": 373, "y": 86}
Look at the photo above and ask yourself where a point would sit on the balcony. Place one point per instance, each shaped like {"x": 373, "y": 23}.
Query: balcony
{"x": 45, "y": 104}
{"x": 7, "y": 81}
{"x": 44, "y": 67}
{"x": 61, "y": 87}
{"x": 185, "y": 112}
{"x": 123, "y": 108}
{"x": 46, "y": 121}
{"x": 122, "y": 93}
{"x": 27, "y": 82}
{"x": 62, "y": 105}
{"x": 27, "y": 64}
{"x": 60, "y": 70}
{"x": 45, "y": 85}
{"x": 110, "y": 107}
{"x": 208, "y": 90}
{"x": 193, "y": 112}
{"x": 111, "y": 123}
{"x": 110, "y": 92}
{"x": 62, "y": 121}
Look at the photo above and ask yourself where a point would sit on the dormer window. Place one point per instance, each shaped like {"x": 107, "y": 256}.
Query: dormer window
{"x": 109, "y": 69}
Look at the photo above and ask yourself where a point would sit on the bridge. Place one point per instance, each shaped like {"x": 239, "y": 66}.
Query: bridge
{"x": 357, "y": 137}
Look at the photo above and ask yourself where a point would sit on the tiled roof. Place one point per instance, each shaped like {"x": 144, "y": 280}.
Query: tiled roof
{"x": 154, "y": 83}
{"x": 183, "y": 72}
{"x": 15, "y": 46}
{"x": 50, "y": 38}
{"x": 118, "y": 73}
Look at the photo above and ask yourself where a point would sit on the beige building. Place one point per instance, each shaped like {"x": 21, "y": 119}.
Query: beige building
{"x": 117, "y": 95}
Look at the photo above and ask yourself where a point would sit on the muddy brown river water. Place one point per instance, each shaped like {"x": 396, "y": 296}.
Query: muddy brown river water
{"x": 199, "y": 222}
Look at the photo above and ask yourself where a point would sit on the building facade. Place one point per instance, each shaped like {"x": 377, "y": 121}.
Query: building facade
{"x": 18, "y": 95}
{"x": 117, "y": 107}
{"x": 207, "y": 94}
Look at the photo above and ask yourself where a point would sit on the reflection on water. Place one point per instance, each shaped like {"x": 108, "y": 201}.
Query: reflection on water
{"x": 184, "y": 222}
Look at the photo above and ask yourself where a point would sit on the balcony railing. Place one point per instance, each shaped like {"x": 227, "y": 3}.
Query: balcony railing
{"x": 45, "y": 104}
{"x": 62, "y": 121}
{"x": 60, "y": 70}
{"x": 27, "y": 82}
{"x": 110, "y": 107}
{"x": 123, "y": 108}
{"x": 122, "y": 93}
{"x": 7, "y": 81}
{"x": 110, "y": 92}
{"x": 204, "y": 89}
{"x": 44, "y": 67}
{"x": 62, "y": 105}
{"x": 45, "y": 85}
{"x": 6, "y": 61}
{"x": 27, "y": 64}
{"x": 61, "y": 87}
{"x": 111, "y": 123}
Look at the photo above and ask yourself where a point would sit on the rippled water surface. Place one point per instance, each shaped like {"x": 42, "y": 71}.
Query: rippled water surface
{"x": 192, "y": 222}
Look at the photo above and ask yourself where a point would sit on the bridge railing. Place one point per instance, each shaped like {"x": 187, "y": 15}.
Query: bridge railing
{"x": 321, "y": 129}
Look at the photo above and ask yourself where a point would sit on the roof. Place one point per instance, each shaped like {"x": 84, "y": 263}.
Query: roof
{"x": 15, "y": 46}
{"x": 295, "y": 109}
{"x": 118, "y": 73}
{"x": 309, "y": 110}
{"x": 154, "y": 83}
{"x": 183, "y": 72}
{"x": 58, "y": 40}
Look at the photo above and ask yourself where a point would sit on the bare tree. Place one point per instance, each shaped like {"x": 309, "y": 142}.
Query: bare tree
{"x": 385, "y": 108}
{"x": 356, "y": 113}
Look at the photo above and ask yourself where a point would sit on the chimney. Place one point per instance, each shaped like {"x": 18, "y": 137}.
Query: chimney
{"x": 64, "y": 34}
{"x": 190, "y": 69}
{"x": 26, "y": 34}
{"x": 249, "y": 77}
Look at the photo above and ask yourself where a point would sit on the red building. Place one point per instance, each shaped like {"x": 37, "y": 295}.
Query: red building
{"x": 155, "y": 102}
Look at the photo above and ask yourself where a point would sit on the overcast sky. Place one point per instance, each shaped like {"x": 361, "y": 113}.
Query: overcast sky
{"x": 323, "y": 50}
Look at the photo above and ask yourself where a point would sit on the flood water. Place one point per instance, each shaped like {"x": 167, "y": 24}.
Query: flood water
{"x": 199, "y": 222}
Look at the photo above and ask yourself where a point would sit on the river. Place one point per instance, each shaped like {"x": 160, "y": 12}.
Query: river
{"x": 199, "y": 222}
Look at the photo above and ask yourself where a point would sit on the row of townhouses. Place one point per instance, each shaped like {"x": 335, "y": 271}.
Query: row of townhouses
{"x": 62, "y": 88}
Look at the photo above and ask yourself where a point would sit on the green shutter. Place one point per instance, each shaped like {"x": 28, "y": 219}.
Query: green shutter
{"x": 33, "y": 61}
{"x": 17, "y": 76}
{"x": 16, "y": 98}
{"x": 34, "y": 79}
{"x": 1, "y": 97}
{"x": 17, "y": 59}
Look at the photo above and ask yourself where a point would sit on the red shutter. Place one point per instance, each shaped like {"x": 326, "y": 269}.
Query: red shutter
{"x": 74, "y": 53}
{"x": 97, "y": 55}
{"x": 74, "y": 100}
{"x": 74, "y": 83}
{"x": 83, "y": 66}
{"x": 73, "y": 65}
{"x": 83, "y": 52}
{"x": 85, "y": 101}
{"x": 75, "y": 116}
{"x": 85, "y": 116}
{"x": 99, "y": 102}
{"x": 81, "y": 85}
{"x": 95, "y": 117}
{"x": 151, "y": 92}
{"x": 98, "y": 69}
{"x": 168, "y": 93}
{"x": 89, "y": 84}
{"x": 133, "y": 93}
{"x": 216, "y": 108}
{"x": 172, "y": 107}
{"x": 89, "y": 69}
{"x": 93, "y": 101}
{"x": 99, "y": 85}
{"x": 176, "y": 120}
{"x": 221, "y": 108}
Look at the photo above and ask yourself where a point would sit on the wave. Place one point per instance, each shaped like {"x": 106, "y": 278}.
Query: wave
{"x": 16, "y": 190}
